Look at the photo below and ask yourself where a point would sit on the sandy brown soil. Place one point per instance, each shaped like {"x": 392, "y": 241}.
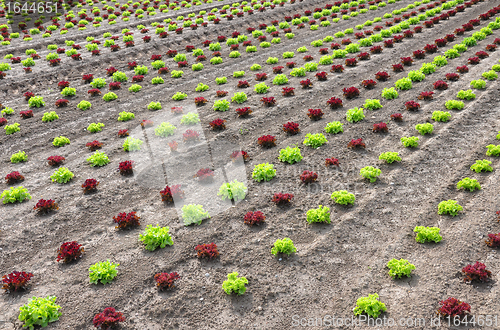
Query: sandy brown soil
{"x": 335, "y": 263}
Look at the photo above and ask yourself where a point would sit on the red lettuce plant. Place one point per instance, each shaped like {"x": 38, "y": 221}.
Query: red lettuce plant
{"x": 190, "y": 136}
{"x": 94, "y": 145}
{"x": 26, "y": 114}
{"x": 182, "y": 64}
{"x": 482, "y": 54}
{"x": 205, "y": 175}
{"x": 16, "y": 281}
{"x": 376, "y": 49}
{"x": 218, "y": 124}
{"x": 441, "y": 85}
{"x": 243, "y": 84}
{"x": 199, "y": 101}
{"x": 306, "y": 83}
{"x": 267, "y": 141}
{"x": 350, "y": 92}
{"x": 111, "y": 70}
{"x": 95, "y": 91}
{"x": 268, "y": 101}
{"x": 476, "y": 272}
{"x": 406, "y": 61}
{"x": 163, "y": 70}
{"x": 173, "y": 146}
{"x": 221, "y": 93}
{"x": 90, "y": 186}
{"x": 291, "y": 128}
{"x": 288, "y": 91}
{"x": 450, "y": 37}
{"x": 236, "y": 155}
{"x": 497, "y": 41}
{"x": 321, "y": 76}
{"x": 419, "y": 54}
{"x": 380, "y": 127}
{"x": 452, "y": 76}
{"x": 44, "y": 206}
{"x": 429, "y": 24}
{"x": 132, "y": 65}
{"x": 115, "y": 85}
{"x": 126, "y": 167}
{"x": 28, "y": 95}
{"x": 243, "y": 112}
{"x": 208, "y": 251}
{"x": 474, "y": 22}
{"x": 440, "y": 42}
{"x": 412, "y": 105}
{"x": 334, "y": 103}
{"x": 254, "y": 218}
{"x": 56, "y": 160}
{"x": 323, "y": 51}
{"x": 459, "y": 31}
{"x": 260, "y": 76}
{"x": 389, "y": 43}
{"x": 290, "y": 65}
{"x": 397, "y": 117}
{"x": 359, "y": 35}
{"x": 351, "y": 62}
{"x": 201, "y": 58}
{"x": 61, "y": 103}
{"x": 408, "y": 33}
{"x": 15, "y": 60}
{"x": 308, "y": 177}
{"x": 14, "y": 177}
{"x": 382, "y": 76}
{"x": 172, "y": 52}
{"x": 137, "y": 78}
{"x": 94, "y": 52}
{"x": 108, "y": 319}
{"x": 63, "y": 84}
{"x": 427, "y": 96}
{"x": 368, "y": 83}
{"x": 453, "y": 307}
{"x": 176, "y": 110}
{"x": 491, "y": 47}
{"x": 474, "y": 60}
{"x": 308, "y": 58}
{"x": 346, "y": 41}
{"x": 69, "y": 251}
{"x": 170, "y": 193}
{"x": 315, "y": 114}
{"x": 397, "y": 67}
{"x": 430, "y": 48}
{"x": 356, "y": 143}
{"x": 126, "y": 220}
{"x": 398, "y": 38}
{"x": 282, "y": 199}
{"x": 364, "y": 56}
{"x": 3, "y": 121}
{"x": 166, "y": 281}
{"x": 332, "y": 162}
{"x": 418, "y": 29}
{"x": 123, "y": 133}
{"x": 493, "y": 240}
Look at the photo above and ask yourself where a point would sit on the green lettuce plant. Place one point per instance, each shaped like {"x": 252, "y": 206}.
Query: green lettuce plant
{"x": 415, "y": 75}
{"x": 466, "y": 95}
{"x": 493, "y": 150}
{"x": 321, "y": 214}
{"x": 482, "y": 166}
{"x": 410, "y": 142}
{"x": 426, "y": 68}
{"x": 298, "y": 72}
{"x": 261, "y": 88}
{"x": 372, "y": 104}
{"x": 15, "y": 194}
{"x": 426, "y": 128}
{"x": 190, "y": 118}
{"x": 334, "y": 127}
{"x": 104, "y": 272}
{"x": 284, "y": 246}
{"x": 454, "y": 105}
{"x": 440, "y": 61}
{"x": 98, "y": 83}
{"x": 62, "y": 175}
{"x": 39, "y": 312}
{"x": 68, "y": 91}
{"x": 389, "y": 93}
{"x": 195, "y": 67}
{"x": 165, "y": 129}
{"x": 400, "y": 268}
{"x": 239, "y": 97}
{"x": 141, "y": 70}
{"x": 343, "y": 197}
{"x": 490, "y": 75}
{"x": 354, "y": 115}
{"x": 49, "y": 116}
{"x": 450, "y": 207}
{"x": 280, "y": 79}
{"x": 36, "y": 102}
{"x": 60, "y": 141}
{"x": 390, "y": 157}
{"x": 427, "y": 234}
{"x": 234, "y": 284}
{"x": 315, "y": 140}
{"x": 95, "y": 127}
{"x": 11, "y": 129}
{"x": 18, "y": 157}
{"x": 84, "y": 105}
{"x": 131, "y": 144}
{"x": 272, "y": 60}
{"x": 220, "y": 80}
{"x": 110, "y": 96}
{"x": 478, "y": 84}
{"x": 221, "y": 105}
{"x": 403, "y": 84}
{"x": 98, "y": 158}
{"x": 370, "y": 173}
{"x": 442, "y": 116}
{"x": 125, "y": 116}
{"x": 311, "y": 66}
{"x": 179, "y": 96}
{"x": 264, "y": 172}
{"x": 193, "y": 214}
{"x": 121, "y": 77}
{"x": 156, "y": 237}
{"x": 369, "y": 305}
{"x": 233, "y": 190}
{"x": 290, "y": 155}
{"x": 238, "y": 74}
{"x": 469, "y": 184}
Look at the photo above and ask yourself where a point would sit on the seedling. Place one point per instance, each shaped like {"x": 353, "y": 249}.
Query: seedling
{"x": 355, "y": 115}
{"x": 208, "y": 251}
{"x": 193, "y": 214}
{"x": 155, "y": 237}
{"x": 389, "y": 93}
{"x": 321, "y": 214}
{"x": 284, "y": 246}
{"x": 427, "y": 234}
{"x": 104, "y": 272}
{"x": 108, "y": 319}
{"x": 370, "y": 173}
{"x": 289, "y": 155}
{"x": 343, "y": 197}
{"x": 469, "y": 184}
{"x": 334, "y": 103}
{"x": 233, "y": 190}
{"x": 131, "y": 144}
{"x": 291, "y": 128}
{"x": 234, "y": 284}
{"x": 400, "y": 268}
{"x": 450, "y": 207}
{"x": 369, "y": 305}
